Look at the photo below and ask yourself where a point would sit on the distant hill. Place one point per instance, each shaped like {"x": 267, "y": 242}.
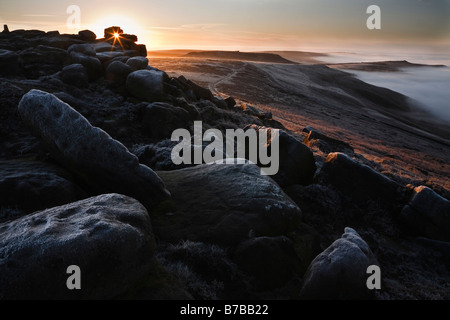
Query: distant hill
{"x": 386, "y": 66}
{"x": 237, "y": 55}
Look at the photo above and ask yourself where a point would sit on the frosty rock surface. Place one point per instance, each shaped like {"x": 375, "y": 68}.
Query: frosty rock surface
{"x": 109, "y": 237}
{"x": 103, "y": 164}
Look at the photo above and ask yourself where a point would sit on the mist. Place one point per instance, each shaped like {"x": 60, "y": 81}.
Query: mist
{"x": 429, "y": 86}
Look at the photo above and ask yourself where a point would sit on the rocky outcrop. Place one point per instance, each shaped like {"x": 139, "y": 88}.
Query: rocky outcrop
{"x": 340, "y": 272}
{"x": 109, "y": 237}
{"x": 101, "y": 163}
{"x": 34, "y": 53}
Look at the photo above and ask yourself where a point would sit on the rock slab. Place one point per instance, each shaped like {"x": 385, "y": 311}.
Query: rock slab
{"x": 223, "y": 204}
{"x": 103, "y": 164}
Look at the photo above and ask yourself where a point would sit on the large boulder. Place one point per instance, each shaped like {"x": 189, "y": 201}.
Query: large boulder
{"x": 340, "y": 272}
{"x": 101, "y": 163}
{"x": 109, "y": 237}
{"x": 27, "y": 186}
{"x": 146, "y": 84}
{"x": 427, "y": 214}
{"x": 76, "y": 75}
{"x": 223, "y": 204}
{"x": 359, "y": 181}
{"x": 137, "y": 63}
{"x": 85, "y": 54}
{"x": 87, "y": 35}
{"x": 297, "y": 164}
{"x": 117, "y": 72}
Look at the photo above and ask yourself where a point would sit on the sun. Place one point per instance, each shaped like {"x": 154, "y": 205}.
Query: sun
{"x": 127, "y": 24}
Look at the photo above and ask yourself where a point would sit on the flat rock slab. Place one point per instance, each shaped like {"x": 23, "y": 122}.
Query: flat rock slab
{"x": 223, "y": 204}
{"x": 109, "y": 237}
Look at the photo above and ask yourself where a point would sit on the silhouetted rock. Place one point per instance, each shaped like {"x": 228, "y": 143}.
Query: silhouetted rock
{"x": 340, "y": 272}
{"x": 5, "y": 29}
{"x": 223, "y": 204}
{"x": 109, "y": 237}
{"x": 76, "y": 75}
{"x": 427, "y": 214}
{"x": 111, "y": 31}
{"x": 87, "y": 35}
{"x": 100, "y": 162}
{"x": 146, "y": 84}
{"x": 129, "y": 37}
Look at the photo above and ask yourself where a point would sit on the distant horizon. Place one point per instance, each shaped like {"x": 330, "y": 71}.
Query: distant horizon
{"x": 250, "y": 25}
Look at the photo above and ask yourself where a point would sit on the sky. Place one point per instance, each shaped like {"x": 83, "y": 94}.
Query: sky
{"x": 247, "y": 25}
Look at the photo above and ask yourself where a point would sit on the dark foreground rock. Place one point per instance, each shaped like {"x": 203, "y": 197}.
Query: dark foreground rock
{"x": 223, "y": 204}
{"x": 427, "y": 214}
{"x": 101, "y": 163}
{"x": 27, "y": 186}
{"x": 340, "y": 272}
{"x": 109, "y": 237}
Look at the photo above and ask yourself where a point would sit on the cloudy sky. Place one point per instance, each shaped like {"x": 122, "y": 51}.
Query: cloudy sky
{"x": 245, "y": 24}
